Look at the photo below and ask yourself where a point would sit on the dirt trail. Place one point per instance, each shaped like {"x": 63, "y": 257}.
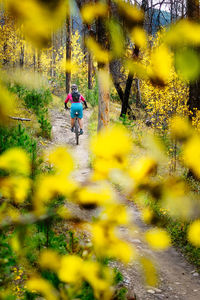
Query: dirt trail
{"x": 178, "y": 279}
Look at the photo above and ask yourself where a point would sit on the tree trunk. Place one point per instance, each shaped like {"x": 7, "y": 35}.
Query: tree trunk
{"x": 68, "y": 52}
{"x": 138, "y": 93}
{"x": 104, "y": 98}
{"x": 194, "y": 87}
{"x": 21, "y": 59}
{"x": 104, "y": 95}
{"x": 126, "y": 95}
{"x": 90, "y": 67}
{"x": 39, "y": 61}
{"x": 34, "y": 60}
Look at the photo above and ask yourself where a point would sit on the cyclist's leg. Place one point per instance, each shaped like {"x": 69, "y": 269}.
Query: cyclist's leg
{"x": 72, "y": 122}
{"x": 80, "y": 118}
{"x": 72, "y": 113}
{"x": 80, "y": 121}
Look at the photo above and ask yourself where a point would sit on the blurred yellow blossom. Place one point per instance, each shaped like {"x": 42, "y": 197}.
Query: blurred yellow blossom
{"x": 107, "y": 244}
{"x": 147, "y": 215}
{"x": 158, "y": 239}
{"x": 97, "y": 194}
{"x": 139, "y": 37}
{"x": 191, "y": 154}
{"x": 15, "y": 160}
{"x": 39, "y": 18}
{"x": 193, "y": 233}
{"x": 149, "y": 270}
{"x": 69, "y": 66}
{"x": 182, "y": 33}
{"x": 50, "y": 259}
{"x": 90, "y": 11}
{"x": 129, "y": 11}
{"x": 143, "y": 168}
{"x": 70, "y": 269}
{"x": 180, "y": 128}
{"x": 100, "y": 277}
{"x": 43, "y": 287}
{"x": 101, "y": 55}
{"x": 61, "y": 159}
{"x": 116, "y": 214}
{"x": 6, "y": 104}
{"x": 15, "y": 188}
{"x": 50, "y": 186}
{"x": 160, "y": 56}
{"x": 113, "y": 142}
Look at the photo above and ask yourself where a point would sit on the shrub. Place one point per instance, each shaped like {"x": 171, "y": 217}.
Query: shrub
{"x": 37, "y": 100}
{"x": 92, "y": 96}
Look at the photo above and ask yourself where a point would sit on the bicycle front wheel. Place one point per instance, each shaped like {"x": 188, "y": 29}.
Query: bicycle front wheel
{"x": 76, "y": 131}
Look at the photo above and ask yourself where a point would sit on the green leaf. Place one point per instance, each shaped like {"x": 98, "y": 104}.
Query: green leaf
{"x": 187, "y": 63}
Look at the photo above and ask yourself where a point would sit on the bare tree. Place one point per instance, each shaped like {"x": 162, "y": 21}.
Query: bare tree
{"x": 194, "y": 87}
{"x": 68, "y": 52}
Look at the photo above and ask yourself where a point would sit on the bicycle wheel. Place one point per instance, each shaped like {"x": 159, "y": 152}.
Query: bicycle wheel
{"x": 76, "y": 131}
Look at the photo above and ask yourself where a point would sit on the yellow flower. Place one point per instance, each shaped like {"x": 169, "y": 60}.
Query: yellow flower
{"x": 90, "y": 11}
{"x": 143, "y": 168}
{"x": 62, "y": 160}
{"x": 42, "y": 286}
{"x": 50, "y": 259}
{"x": 99, "y": 194}
{"x": 150, "y": 273}
{"x": 6, "y": 104}
{"x": 112, "y": 143}
{"x": 106, "y": 244}
{"x": 116, "y": 214}
{"x": 100, "y": 54}
{"x": 15, "y": 188}
{"x": 161, "y": 65}
{"x": 100, "y": 278}
{"x": 39, "y": 19}
{"x": 193, "y": 233}
{"x": 70, "y": 269}
{"x": 147, "y": 215}
{"x": 180, "y": 128}
{"x": 129, "y": 11}
{"x": 191, "y": 154}
{"x": 15, "y": 160}
{"x": 138, "y": 36}
{"x": 158, "y": 239}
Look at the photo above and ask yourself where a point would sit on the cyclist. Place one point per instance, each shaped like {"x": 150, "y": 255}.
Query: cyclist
{"x": 76, "y": 100}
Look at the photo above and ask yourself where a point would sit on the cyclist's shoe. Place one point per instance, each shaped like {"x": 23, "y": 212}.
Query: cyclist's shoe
{"x": 72, "y": 129}
{"x": 81, "y": 131}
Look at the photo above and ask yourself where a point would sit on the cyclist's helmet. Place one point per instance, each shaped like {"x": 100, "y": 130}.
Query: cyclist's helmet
{"x": 74, "y": 88}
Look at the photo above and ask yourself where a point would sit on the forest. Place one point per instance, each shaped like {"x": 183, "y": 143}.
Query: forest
{"x": 99, "y": 149}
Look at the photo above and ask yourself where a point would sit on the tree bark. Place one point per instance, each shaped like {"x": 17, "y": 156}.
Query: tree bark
{"x": 90, "y": 67}
{"x": 104, "y": 99}
{"x": 126, "y": 95}
{"x": 39, "y": 60}
{"x": 138, "y": 93}
{"x": 194, "y": 87}
{"x": 104, "y": 95}
{"x": 68, "y": 52}
{"x": 21, "y": 59}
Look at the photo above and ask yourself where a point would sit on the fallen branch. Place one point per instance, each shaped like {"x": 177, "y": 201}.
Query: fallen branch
{"x": 19, "y": 119}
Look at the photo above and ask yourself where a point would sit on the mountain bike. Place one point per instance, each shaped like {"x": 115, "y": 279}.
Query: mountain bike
{"x": 76, "y": 128}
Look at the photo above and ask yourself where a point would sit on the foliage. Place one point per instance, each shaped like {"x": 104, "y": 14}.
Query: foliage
{"x": 92, "y": 95}
{"x": 16, "y": 137}
{"x": 163, "y": 102}
{"x": 37, "y": 100}
{"x": 29, "y": 204}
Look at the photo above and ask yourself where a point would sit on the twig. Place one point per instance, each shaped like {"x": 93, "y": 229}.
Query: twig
{"x": 19, "y": 119}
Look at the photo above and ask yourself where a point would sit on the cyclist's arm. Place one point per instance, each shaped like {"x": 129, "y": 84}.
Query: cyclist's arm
{"x": 83, "y": 99}
{"x": 66, "y": 101}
